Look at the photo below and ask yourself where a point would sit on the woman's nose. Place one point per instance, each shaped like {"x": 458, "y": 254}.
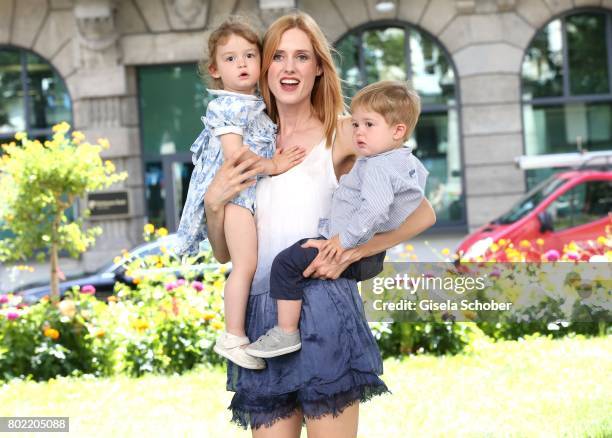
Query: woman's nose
{"x": 289, "y": 65}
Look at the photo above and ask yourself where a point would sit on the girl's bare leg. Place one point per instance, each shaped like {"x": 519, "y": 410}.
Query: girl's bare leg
{"x": 343, "y": 426}
{"x": 241, "y": 237}
{"x": 285, "y": 428}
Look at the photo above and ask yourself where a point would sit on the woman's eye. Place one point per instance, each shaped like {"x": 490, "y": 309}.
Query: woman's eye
{"x": 277, "y": 57}
{"x": 302, "y": 57}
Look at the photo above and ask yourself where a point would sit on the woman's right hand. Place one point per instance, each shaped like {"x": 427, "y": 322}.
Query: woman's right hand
{"x": 232, "y": 178}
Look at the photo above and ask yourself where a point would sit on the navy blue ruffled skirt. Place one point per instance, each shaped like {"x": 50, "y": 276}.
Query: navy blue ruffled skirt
{"x": 338, "y": 364}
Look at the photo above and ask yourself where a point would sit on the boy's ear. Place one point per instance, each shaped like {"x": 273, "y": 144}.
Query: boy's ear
{"x": 213, "y": 72}
{"x": 399, "y": 131}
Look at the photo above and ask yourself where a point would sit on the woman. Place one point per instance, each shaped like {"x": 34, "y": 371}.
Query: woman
{"x": 339, "y": 363}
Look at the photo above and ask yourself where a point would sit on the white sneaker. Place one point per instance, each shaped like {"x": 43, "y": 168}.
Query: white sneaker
{"x": 229, "y": 346}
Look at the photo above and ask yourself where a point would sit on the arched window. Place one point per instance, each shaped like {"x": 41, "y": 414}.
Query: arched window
{"x": 395, "y": 50}
{"x": 34, "y": 96}
{"x": 567, "y": 87}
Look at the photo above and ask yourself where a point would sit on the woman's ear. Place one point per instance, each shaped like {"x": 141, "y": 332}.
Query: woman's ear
{"x": 213, "y": 72}
{"x": 399, "y": 131}
{"x": 319, "y": 70}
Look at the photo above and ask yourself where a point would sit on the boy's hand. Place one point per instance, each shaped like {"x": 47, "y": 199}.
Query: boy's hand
{"x": 285, "y": 159}
{"x": 332, "y": 248}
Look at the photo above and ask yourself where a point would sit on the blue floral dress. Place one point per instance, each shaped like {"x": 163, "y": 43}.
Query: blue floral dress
{"x": 229, "y": 112}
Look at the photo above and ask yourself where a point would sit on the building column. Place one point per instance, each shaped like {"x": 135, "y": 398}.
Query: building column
{"x": 106, "y": 106}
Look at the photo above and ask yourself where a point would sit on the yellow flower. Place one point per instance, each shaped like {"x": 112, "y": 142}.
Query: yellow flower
{"x": 209, "y": 315}
{"x": 100, "y": 333}
{"x": 112, "y": 299}
{"x": 104, "y": 143}
{"x": 494, "y": 247}
{"x": 163, "y": 249}
{"x": 51, "y": 333}
{"x": 572, "y": 246}
{"x": 78, "y": 136}
{"x": 502, "y": 242}
{"x": 162, "y": 232}
{"x": 445, "y": 251}
{"x": 136, "y": 280}
{"x": 61, "y": 127}
{"x": 540, "y": 242}
{"x": 602, "y": 240}
{"x": 409, "y": 248}
{"x": 525, "y": 244}
{"x": 140, "y": 324}
{"x": 149, "y": 228}
{"x": 217, "y": 325}
{"x": 20, "y": 136}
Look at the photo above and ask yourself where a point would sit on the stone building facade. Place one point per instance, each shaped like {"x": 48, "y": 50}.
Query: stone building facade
{"x": 97, "y": 47}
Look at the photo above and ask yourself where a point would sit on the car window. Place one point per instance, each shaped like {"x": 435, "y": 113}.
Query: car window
{"x": 531, "y": 200}
{"x": 597, "y": 202}
{"x": 582, "y": 204}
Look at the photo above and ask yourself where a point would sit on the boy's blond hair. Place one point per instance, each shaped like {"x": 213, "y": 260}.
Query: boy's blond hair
{"x": 396, "y": 101}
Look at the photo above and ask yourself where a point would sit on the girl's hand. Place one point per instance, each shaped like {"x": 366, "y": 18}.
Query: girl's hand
{"x": 232, "y": 178}
{"x": 325, "y": 267}
{"x": 285, "y": 159}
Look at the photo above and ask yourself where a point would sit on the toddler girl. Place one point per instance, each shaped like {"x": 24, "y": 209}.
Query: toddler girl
{"x": 235, "y": 117}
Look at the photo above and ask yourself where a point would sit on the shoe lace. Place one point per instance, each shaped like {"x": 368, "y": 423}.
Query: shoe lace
{"x": 270, "y": 335}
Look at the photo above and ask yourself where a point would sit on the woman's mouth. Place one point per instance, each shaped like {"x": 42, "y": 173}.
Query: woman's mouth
{"x": 289, "y": 84}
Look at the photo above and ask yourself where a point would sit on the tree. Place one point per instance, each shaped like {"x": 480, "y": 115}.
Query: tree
{"x": 38, "y": 183}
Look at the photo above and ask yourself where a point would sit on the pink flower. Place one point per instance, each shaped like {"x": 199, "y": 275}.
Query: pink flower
{"x": 197, "y": 285}
{"x": 171, "y": 286}
{"x": 88, "y": 289}
{"x": 12, "y": 316}
{"x": 180, "y": 282}
{"x": 496, "y": 273}
{"x": 552, "y": 255}
{"x": 4, "y": 299}
{"x": 573, "y": 255}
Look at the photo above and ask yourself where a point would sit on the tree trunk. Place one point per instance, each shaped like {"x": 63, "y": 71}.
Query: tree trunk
{"x": 54, "y": 276}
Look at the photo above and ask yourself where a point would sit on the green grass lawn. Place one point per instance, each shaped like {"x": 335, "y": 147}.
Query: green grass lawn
{"x": 538, "y": 387}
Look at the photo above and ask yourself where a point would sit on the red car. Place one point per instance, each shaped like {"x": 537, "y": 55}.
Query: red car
{"x": 574, "y": 205}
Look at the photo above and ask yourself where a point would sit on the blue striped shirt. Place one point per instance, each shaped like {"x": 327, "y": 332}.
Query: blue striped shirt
{"x": 377, "y": 195}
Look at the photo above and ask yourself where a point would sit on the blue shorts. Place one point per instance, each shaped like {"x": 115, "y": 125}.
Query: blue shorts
{"x": 287, "y": 281}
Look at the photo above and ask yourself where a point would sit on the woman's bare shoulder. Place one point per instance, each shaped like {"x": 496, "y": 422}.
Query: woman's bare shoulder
{"x": 343, "y": 152}
{"x": 344, "y": 138}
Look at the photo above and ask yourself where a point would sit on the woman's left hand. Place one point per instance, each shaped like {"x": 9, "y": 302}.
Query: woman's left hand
{"x": 325, "y": 267}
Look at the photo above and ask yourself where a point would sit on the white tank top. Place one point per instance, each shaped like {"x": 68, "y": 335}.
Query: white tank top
{"x": 289, "y": 206}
